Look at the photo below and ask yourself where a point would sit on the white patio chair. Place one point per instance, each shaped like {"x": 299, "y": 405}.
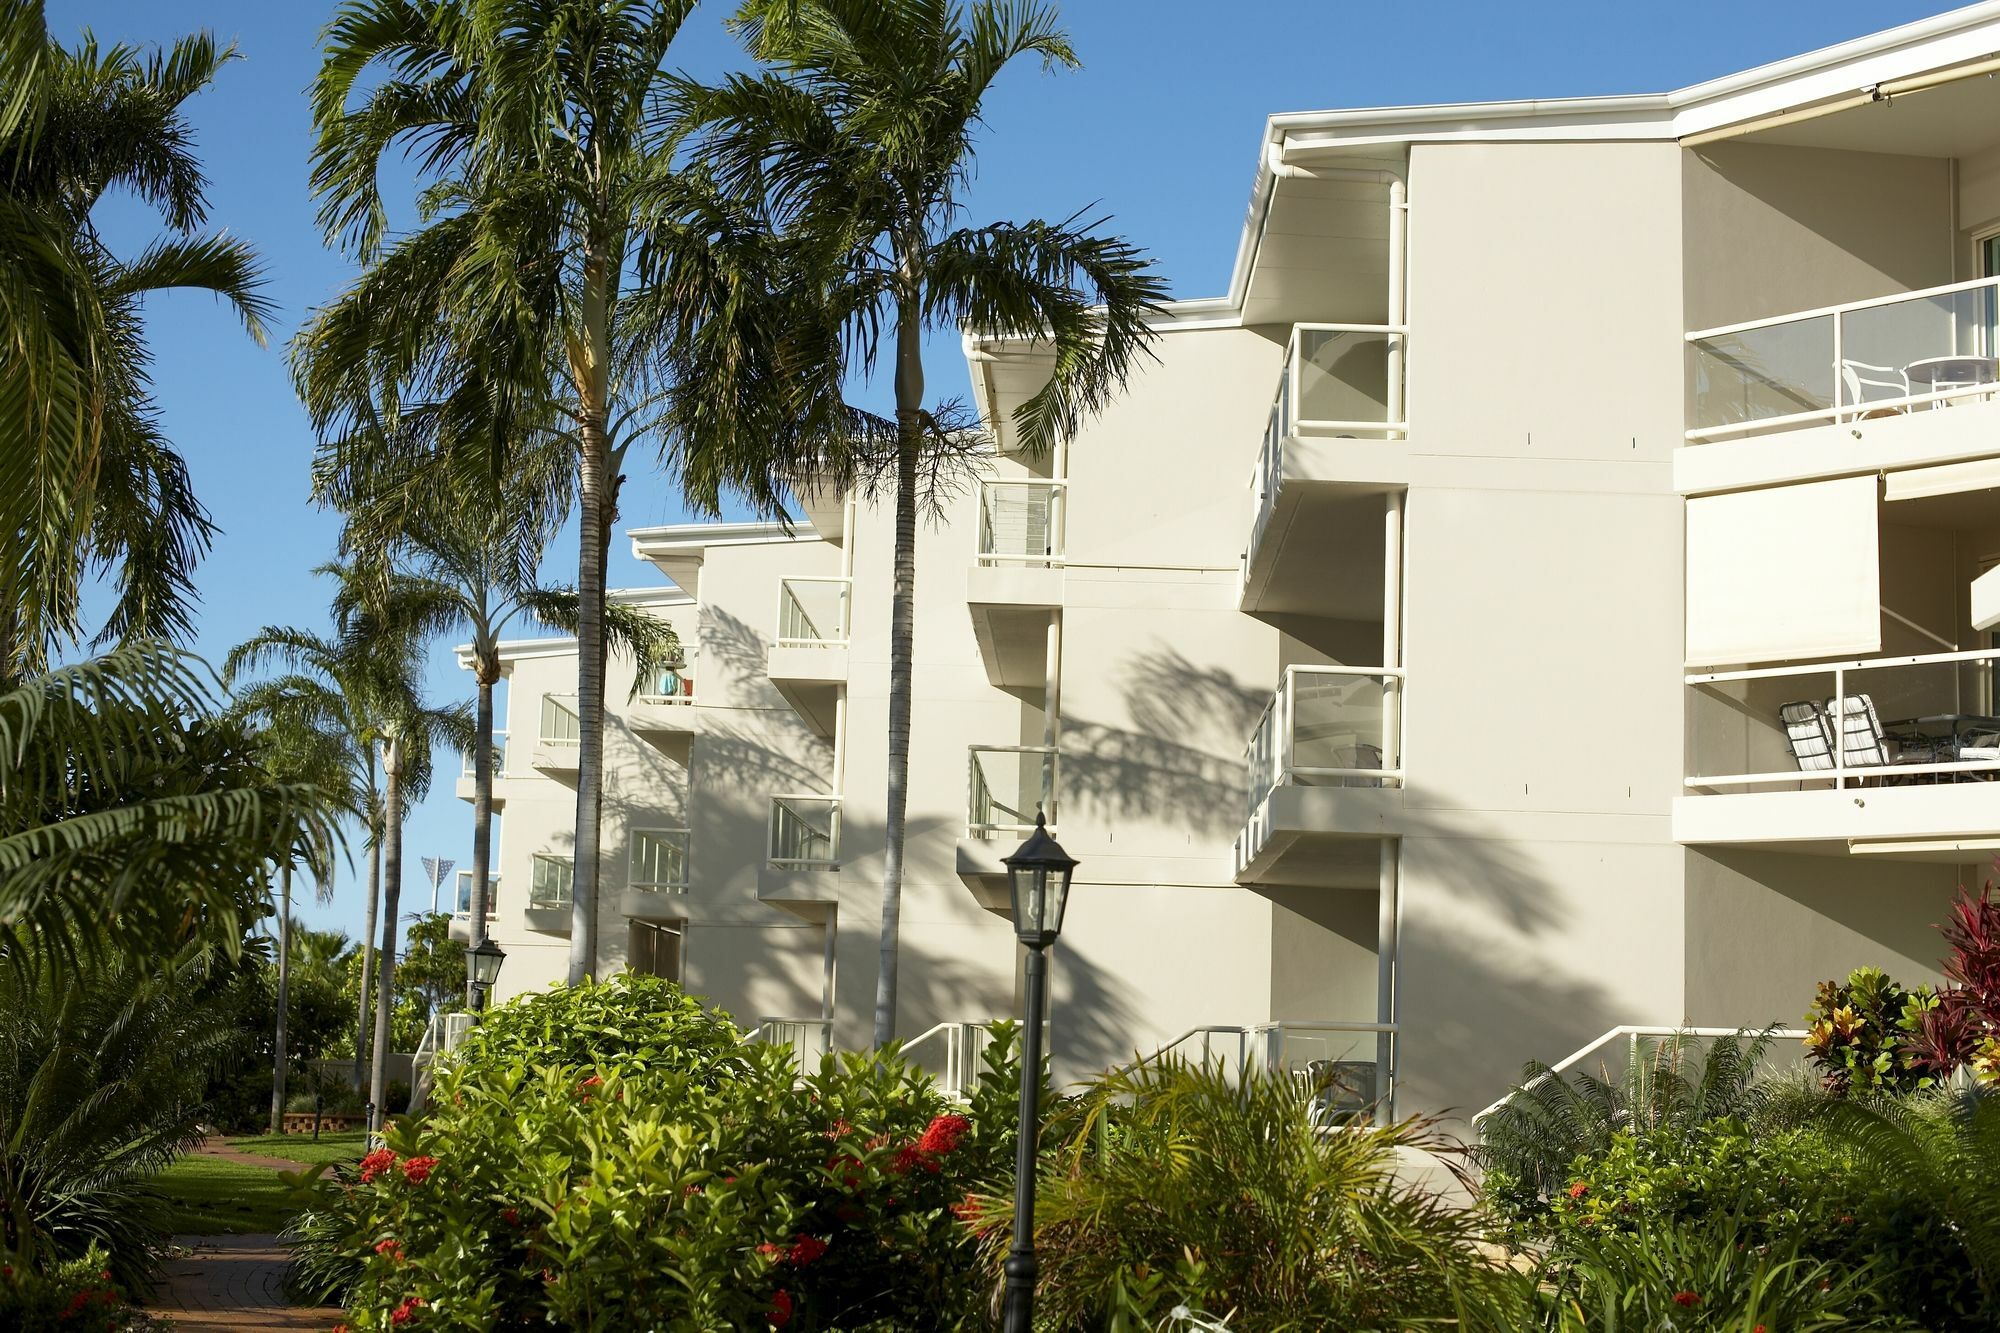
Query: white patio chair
{"x": 1864, "y": 744}
{"x": 1859, "y": 378}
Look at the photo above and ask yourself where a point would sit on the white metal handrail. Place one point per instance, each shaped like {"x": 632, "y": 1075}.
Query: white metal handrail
{"x": 1262, "y": 1047}
{"x": 1272, "y": 753}
{"x": 1842, "y": 771}
{"x": 1021, "y": 521}
{"x": 808, "y": 1038}
{"x": 995, "y": 808}
{"x": 1632, "y": 1035}
{"x": 552, "y": 882}
{"x": 1974, "y": 337}
{"x": 804, "y": 618}
{"x": 467, "y": 757}
{"x": 804, "y": 830}
{"x": 963, "y": 1046}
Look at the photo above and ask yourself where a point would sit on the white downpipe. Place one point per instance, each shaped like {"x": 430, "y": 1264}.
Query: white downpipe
{"x": 1052, "y": 713}
{"x": 830, "y": 933}
{"x": 1388, "y": 916}
{"x": 847, "y": 552}
{"x": 1392, "y": 629}
{"x": 840, "y": 742}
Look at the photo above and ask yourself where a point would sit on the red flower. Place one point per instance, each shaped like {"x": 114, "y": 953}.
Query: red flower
{"x": 512, "y": 1216}
{"x": 806, "y": 1249}
{"x": 391, "y": 1247}
{"x": 592, "y": 1082}
{"x": 847, "y": 1212}
{"x": 942, "y": 1134}
{"x": 1686, "y": 1299}
{"x": 781, "y": 1308}
{"x": 839, "y": 1129}
{"x": 407, "y": 1311}
{"x": 1578, "y": 1190}
{"x": 375, "y": 1163}
{"x": 1846, "y": 1219}
{"x": 847, "y": 1168}
{"x": 911, "y": 1156}
{"x": 771, "y": 1248}
{"x": 418, "y": 1169}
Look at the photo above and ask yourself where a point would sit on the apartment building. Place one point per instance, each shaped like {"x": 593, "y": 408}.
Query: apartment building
{"x": 1551, "y": 589}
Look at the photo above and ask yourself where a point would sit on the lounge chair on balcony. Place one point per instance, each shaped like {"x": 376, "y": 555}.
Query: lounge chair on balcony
{"x": 1810, "y": 734}
{"x": 1864, "y": 744}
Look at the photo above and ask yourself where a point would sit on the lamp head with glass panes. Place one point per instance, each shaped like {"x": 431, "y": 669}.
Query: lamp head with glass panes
{"x": 482, "y": 965}
{"x": 1038, "y": 875}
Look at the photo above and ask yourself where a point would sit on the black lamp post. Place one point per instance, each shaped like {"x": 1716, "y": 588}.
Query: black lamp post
{"x": 482, "y": 969}
{"x": 1038, "y": 875}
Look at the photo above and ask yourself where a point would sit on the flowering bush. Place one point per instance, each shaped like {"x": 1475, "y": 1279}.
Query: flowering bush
{"x": 77, "y": 1296}
{"x": 669, "y": 1192}
{"x": 1859, "y": 1034}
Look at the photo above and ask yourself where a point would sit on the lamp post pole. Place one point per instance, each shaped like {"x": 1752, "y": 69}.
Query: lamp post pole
{"x": 1020, "y": 1267}
{"x": 1038, "y": 879}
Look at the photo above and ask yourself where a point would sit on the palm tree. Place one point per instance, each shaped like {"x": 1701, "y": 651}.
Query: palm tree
{"x": 374, "y": 660}
{"x": 134, "y": 814}
{"x": 88, "y": 483}
{"x": 464, "y": 560}
{"x": 301, "y": 745}
{"x": 542, "y": 165}
{"x": 857, "y": 148}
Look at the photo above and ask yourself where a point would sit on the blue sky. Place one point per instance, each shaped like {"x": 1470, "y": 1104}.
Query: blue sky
{"x": 1159, "y": 130}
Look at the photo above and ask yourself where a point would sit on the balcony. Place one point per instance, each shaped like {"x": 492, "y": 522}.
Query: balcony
{"x": 805, "y": 832}
{"x": 552, "y": 882}
{"x": 1006, "y": 785}
{"x": 1844, "y": 388}
{"x": 808, "y": 661}
{"x": 461, "y": 916}
{"x": 657, "y": 881}
{"x": 466, "y": 781}
{"x": 1882, "y": 756}
{"x": 665, "y": 714}
{"x": 1017, "y": 575}
{"x": 1324, "y": 777}
{"x": 1323, "y": 460}
{"x": 557, "y": 740}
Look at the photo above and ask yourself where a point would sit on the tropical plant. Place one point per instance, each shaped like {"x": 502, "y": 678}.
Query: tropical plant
{"x": 88, "y": 482}
{"x": 543, "y": 164}
{"x": 1659, "y": 1277}
{"x": 1529, "y": 1143}
{"x": 102, "y": 1075}
{"x": 1962, "y": 1029}
{"x": 133, "y": 813}
{"x": 365, "y": 679}
{"x": 686, "y": 1180}
{"x": 1175, "y": 1185}
{"x": 60, "y": 1301}
{"x": 464, "y": 560}
{"x": 857, "y": 146}
{"x": 1861, "y": 1034}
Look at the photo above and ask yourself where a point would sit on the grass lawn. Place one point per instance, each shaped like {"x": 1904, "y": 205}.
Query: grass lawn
{"x": 207, "y": 1196}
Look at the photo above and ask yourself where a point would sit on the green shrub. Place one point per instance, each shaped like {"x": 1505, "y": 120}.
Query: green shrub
{"x": 1172, "y": 1186}
{"x": 703, "y": 1186}
{"x": 1861, "y": 1034}
{"x": 632, "y": 1024}
{"x": 1690, "y": 1275}
{"x": 75, "y": 1295}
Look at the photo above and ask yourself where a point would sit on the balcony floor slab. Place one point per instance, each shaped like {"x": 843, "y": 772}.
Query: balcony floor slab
{"x": 1829, "y": 820}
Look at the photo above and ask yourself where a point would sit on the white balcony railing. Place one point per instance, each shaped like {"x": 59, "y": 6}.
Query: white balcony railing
{"x": 1021, "y": 522}
{"x": 1612, "y": 1056}
{"x": 1329, "y": 726}
{"x": 659, "y": 860}
{"x": 499, "y": 757}
{"x": 551, "y": 883}
{"x": 812, "y": 612}
{"x": 464, "y": 899}
{"x": 1337, "y": 380}
{"x": 1008, "y": 783}
{"x": 1920, "y": 719}
{"x": 804, "y": 831}
{"x": 808, "y": 1039}
{"x": 1345, "y": 1069}
{"x": 673, "y": 685}
{"x": 561, "y": 724}
{"x": 1883, "y": 357}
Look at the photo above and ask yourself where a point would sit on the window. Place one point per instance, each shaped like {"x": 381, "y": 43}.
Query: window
{"x": 465, "y": 894}
{"x": 559, "y": 722}
{"x": 655, "y": 951}
{"x": 554, "y": 878}
{"x": 659, "y": 859}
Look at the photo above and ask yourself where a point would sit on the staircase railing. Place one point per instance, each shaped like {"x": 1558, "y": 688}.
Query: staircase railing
{"x": 1628, "y": 1041}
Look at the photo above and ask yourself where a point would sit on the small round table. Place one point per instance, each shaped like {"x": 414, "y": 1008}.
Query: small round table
{"x": 1949, "y": 372}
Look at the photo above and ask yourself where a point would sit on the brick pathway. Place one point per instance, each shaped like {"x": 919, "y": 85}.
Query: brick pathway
{"x": 219, "y": 1147}
{"x": 230, "y": 1283}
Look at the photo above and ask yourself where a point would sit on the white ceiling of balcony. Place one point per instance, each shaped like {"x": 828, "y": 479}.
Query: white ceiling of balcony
{"x": 1950, "y": 120}
{"x": 1324, "y": 251}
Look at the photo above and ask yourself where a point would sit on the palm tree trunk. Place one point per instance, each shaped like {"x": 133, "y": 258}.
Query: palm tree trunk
{"x": 392, "y": 892}
{"x": 482, "y": 816}
{"x": 597, "y": 494}
{"x": 361, "y": 1027}
{"x": 284, "y": 997}
{"x": 902, "y": 638}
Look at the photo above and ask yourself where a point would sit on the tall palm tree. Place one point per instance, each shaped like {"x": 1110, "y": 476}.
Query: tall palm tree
{"x": 302, "y": 745}
{"x": 857, "y": 147}
{"x": 88, "y": 483}
{"x": 375, "y": 652}
{"x": 542, "y": 164}
{"x": 463, "y": 559}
